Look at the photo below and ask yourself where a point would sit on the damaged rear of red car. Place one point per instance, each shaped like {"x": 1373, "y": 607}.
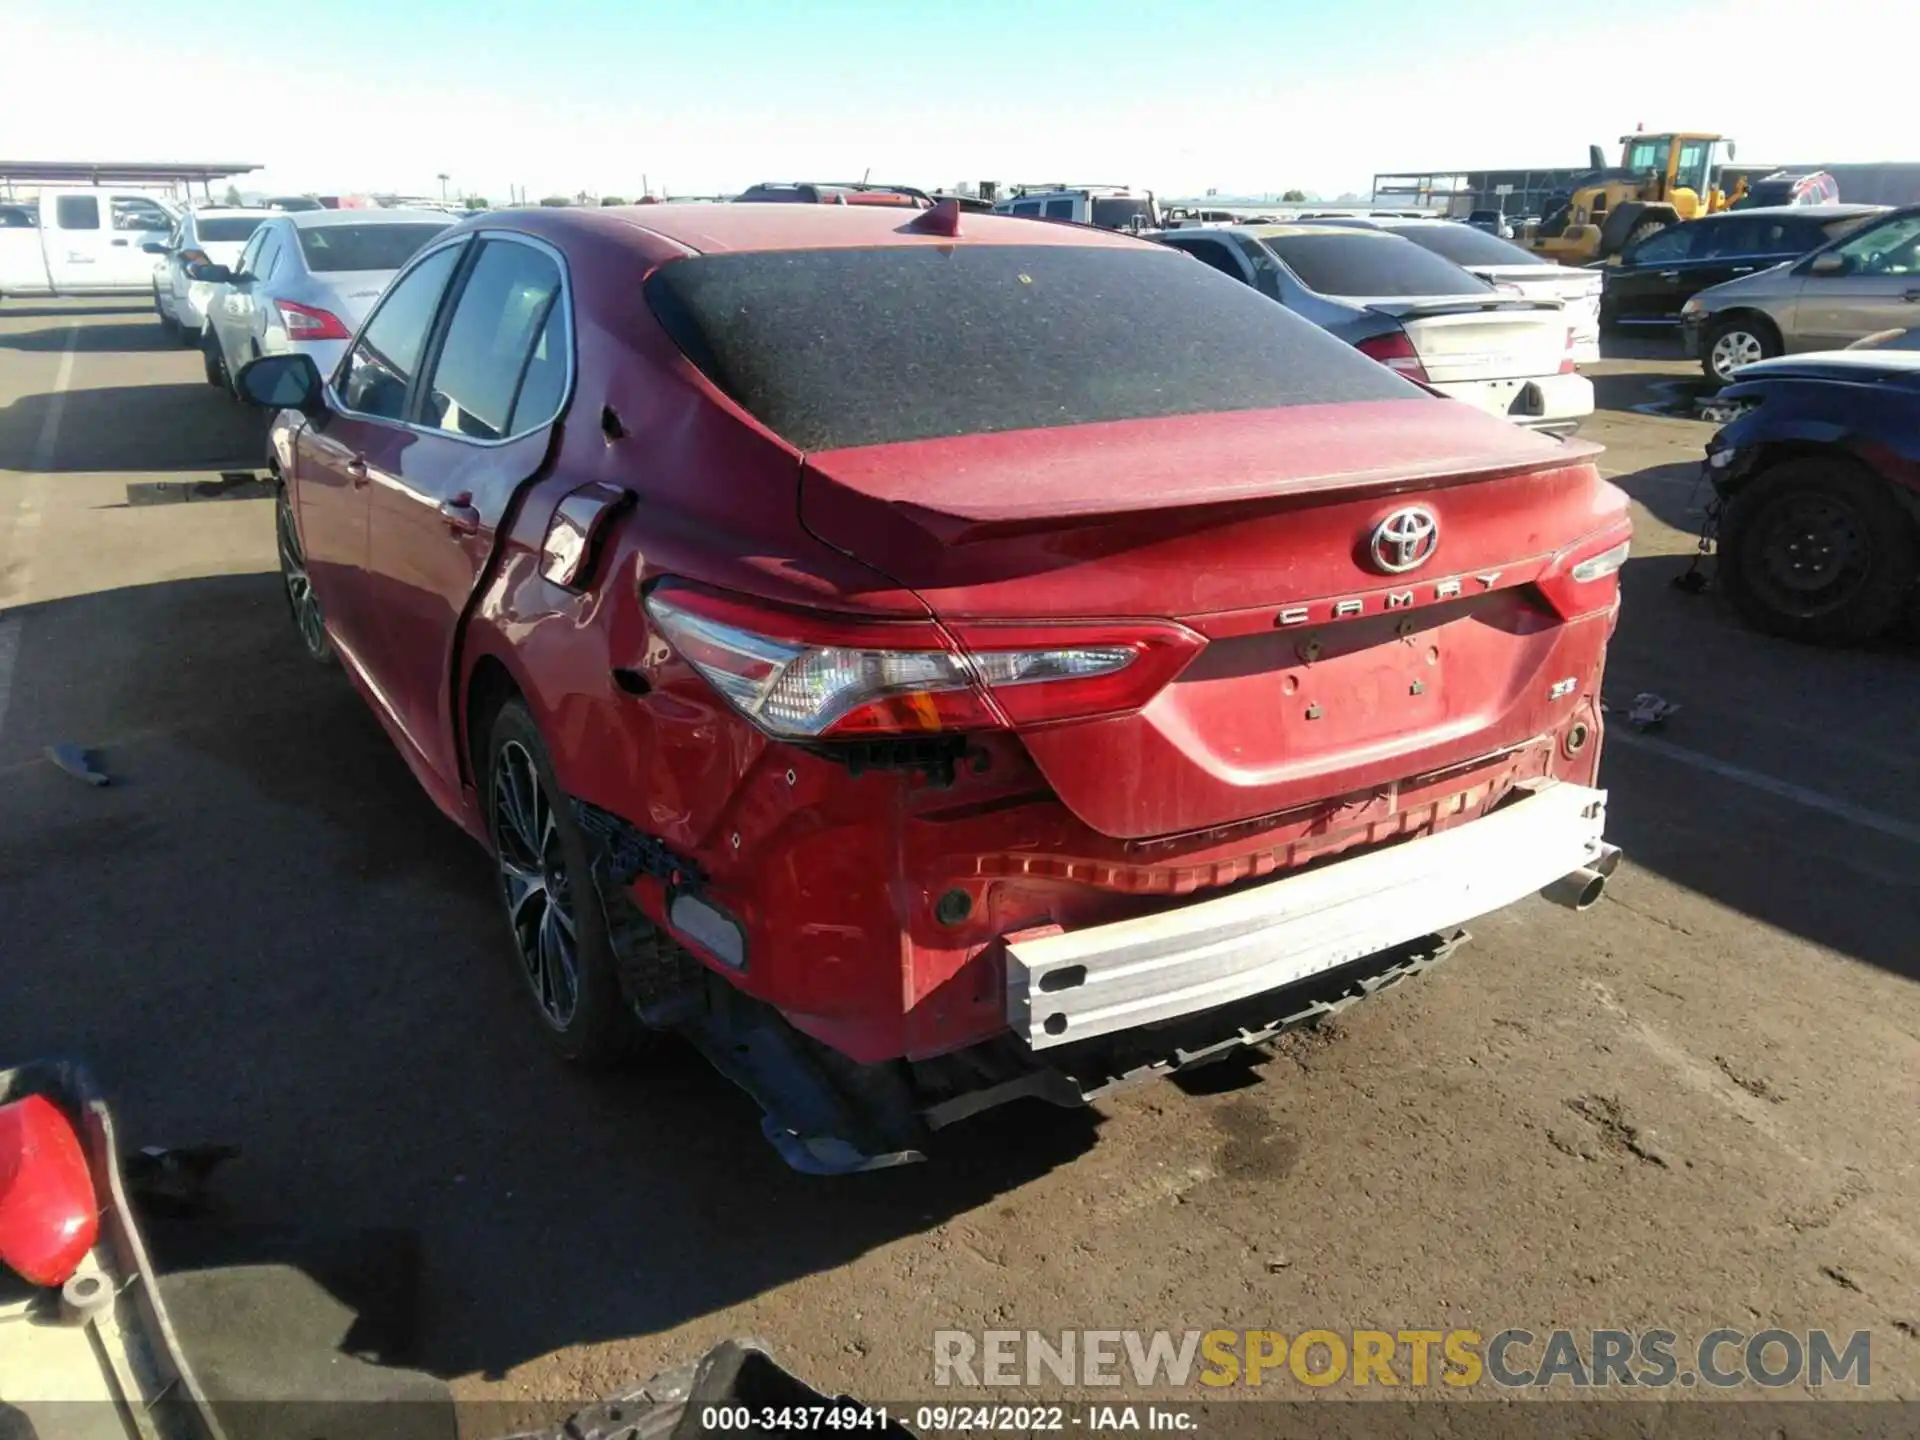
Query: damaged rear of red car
{"x": 1009, "y": 662}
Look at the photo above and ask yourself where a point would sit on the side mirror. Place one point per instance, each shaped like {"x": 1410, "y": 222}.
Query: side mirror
{"x": 1828, "y": 264}
{"x": 154, "y": 247}
{"x": 282, "y": 382}
{"x": 210, "y": 273}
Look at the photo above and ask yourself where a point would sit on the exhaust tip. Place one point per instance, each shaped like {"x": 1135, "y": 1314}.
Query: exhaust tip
{"x": 1580, "y": 890}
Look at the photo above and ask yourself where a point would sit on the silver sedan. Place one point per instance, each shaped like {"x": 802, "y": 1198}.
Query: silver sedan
{"x": 304, "y": 283}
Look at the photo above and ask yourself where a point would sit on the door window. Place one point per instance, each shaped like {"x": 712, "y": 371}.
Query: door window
{"x": 1059, "y": 210}
{"x": 377, "y": 371}
{"x": 1694, "y": 168}
{"x": 1720, "y": 239}
{"x": 136, "y": 212}
{"x": 492, "y": 343}
{"x": 249, "y": 256}
{"x": 1889, "y": 249}
{"x": 77, "y": 212}
{"x": 1664, "y": 247}
{"x": 267, "y": 257}
{"x": 1027, "y": 207}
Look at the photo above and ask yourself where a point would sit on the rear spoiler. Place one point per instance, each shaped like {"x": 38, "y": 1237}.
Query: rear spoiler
{"x": 1421, "y": 309}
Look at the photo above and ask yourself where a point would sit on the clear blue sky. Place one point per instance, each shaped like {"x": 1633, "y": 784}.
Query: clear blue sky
{"x": 713, "y": 94}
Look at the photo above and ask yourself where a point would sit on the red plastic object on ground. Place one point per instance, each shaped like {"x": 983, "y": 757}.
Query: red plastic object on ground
{"x": 49, "y": 1217}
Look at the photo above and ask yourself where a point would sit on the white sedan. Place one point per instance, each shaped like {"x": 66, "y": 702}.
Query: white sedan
{"x": 304, "y": 283}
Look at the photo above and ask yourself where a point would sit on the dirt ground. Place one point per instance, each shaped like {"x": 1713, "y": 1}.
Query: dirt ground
{"x": 1697, "y": 1105}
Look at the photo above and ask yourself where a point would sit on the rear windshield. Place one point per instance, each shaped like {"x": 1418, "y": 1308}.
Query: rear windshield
{"x": 1464, "y": 245}
{"x": 1372, "y": 264}
{"x": 838, "y": 348}
{"x": 233, "y": 229}
{"x": 363, "y": 247}
{"x": 1113, "y": 213}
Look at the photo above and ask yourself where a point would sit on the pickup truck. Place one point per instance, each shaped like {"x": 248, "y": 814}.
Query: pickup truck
{"x": 84, "y": 242}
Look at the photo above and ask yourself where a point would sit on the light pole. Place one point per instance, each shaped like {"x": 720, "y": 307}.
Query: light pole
{"x": 443, "y": 186}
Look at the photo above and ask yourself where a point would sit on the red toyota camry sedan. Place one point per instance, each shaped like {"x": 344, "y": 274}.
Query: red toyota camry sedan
{"x": 930, "y": 659}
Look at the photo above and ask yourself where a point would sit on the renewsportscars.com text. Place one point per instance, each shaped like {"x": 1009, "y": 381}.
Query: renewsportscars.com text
{"x": 1511, "y": 1359}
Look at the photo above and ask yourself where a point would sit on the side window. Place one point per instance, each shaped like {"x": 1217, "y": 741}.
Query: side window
{"x": 136, "y": 212}
{"x": 267, "y": 256}
{"x": 1721, "y": 238}
{"x": 1892, "y": 248}
{"x": 1027, "y": 207}
{"x": 1059, "y": 210}
{"x": 377, "y": 371}
{"x": 1212, "y": 252}
{"x": 77, "y": 212}
{"x": 497, "y": 327}
{"x": 545, "y": 388}
{"x": 1668, "y": 245}
{"x": 250, "y": 256}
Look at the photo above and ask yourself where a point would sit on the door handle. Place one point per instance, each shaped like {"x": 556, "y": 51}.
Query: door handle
{"x": 357, "y": 472}
{"x": 1743, "y": 269}
{"x": 119, "y": 242}
{"x": 1669, "y": 274}
{"x": 461, "y": 517}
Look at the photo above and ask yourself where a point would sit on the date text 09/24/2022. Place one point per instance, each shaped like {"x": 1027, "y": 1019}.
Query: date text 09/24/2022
{"x": 930, "y": 1420}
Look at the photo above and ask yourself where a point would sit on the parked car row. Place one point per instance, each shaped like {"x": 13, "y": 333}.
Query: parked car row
{"x": 239, "y": 284}
{"x": 1388, "y": 289}
{"x": 708, "y": 572}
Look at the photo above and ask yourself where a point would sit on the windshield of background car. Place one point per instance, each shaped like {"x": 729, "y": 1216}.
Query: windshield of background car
{"x": 1348, "y": 263}
{"x": 240, "y": 228}
{"x": 1464, "y": 245}
{"x": 363, "y": 247}
{"x": 831, "y": 349}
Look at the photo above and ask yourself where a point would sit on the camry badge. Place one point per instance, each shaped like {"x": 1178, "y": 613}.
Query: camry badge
{"x": 1405, "y": 540}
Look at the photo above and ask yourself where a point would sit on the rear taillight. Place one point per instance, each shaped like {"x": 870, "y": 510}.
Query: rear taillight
{"x": 1396, "y": 352}
{"x": 309, "y": 322}
{"x": 806, "y": 676}
{"x": 1584, "y": 577}
{"x": 1566, "y": 356}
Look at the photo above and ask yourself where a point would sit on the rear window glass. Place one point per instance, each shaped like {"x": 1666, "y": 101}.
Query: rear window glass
{"x": 231, "y": 229}
{"x": 839, "y": 348}
{"x": 363, "y": 247}
{"x": 1464, "y": 245}
{"x": 1379, "y": 265}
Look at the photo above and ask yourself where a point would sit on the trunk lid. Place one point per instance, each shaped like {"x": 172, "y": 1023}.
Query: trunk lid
{"x": 1255, "y": 530}
{"x": 1474, "y": 339}
{"x": 347, "y": 293}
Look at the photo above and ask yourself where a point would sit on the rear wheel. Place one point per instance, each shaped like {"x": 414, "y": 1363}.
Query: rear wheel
{"x": 1817, "y": 549}
{"x": 1644, "y": 229}
{"x": 1733, "y": 341}
{"x": 168, "y": 326}
{"x": 559, "y": 931}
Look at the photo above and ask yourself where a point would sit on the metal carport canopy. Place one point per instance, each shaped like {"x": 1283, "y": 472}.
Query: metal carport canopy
{"x": 119, "y": 172}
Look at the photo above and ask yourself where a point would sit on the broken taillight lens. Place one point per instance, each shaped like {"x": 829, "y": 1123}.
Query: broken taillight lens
{"x": 803, "y": 676}
{"x": 49, "y": 1215}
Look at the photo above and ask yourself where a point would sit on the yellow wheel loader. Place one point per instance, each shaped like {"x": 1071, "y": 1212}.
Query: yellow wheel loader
{"x": 1660, "y": 181}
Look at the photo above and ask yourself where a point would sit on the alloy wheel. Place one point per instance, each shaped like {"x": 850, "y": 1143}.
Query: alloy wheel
{"x": 1734, "y": 349}
{"x": 293, "y": 573}
{"x": 535, "y": 884}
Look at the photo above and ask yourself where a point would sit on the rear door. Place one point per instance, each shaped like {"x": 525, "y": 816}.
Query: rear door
{"x": 482, "y": 420}
{"x": 1878, "y": 288}
{"x": 76, "y": 242}
{"x": 364, "y": 434}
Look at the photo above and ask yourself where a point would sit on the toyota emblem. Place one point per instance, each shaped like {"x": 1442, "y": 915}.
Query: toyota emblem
{"x": 1405, "y": 540}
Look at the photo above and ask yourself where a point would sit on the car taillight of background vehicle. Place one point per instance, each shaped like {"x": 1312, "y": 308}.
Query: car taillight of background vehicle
{"x": 1396, "y": 352}
{"x": 1566, "y": 355}
{"x": 802, "y": 676}
{"x": 309, "y": 322}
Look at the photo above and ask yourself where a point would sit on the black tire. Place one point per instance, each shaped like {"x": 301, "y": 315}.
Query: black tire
{"x": 303, "y": 603}
{"x": 598, "y": 1028}
{"x": 1743, "y": 337}
{"x": 213, "y": 363}
{"x": 169, "y": 327}
{"x": 1817, "y": 549}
